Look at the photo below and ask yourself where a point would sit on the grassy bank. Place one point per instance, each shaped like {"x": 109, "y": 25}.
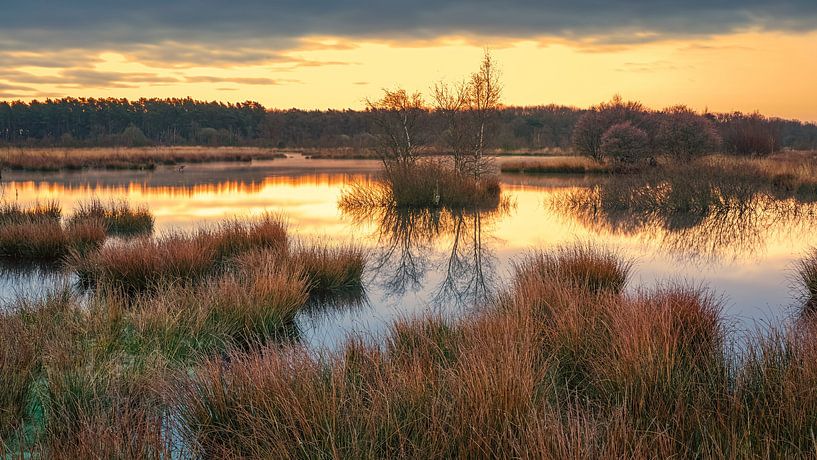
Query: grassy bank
{"x": 56, "y": 159}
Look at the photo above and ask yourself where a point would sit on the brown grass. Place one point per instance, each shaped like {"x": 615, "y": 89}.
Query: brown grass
{"x": 558, "y": 165}
{"x": 558, "y": 370}
{"x": 330, "y": 269}
{"x": 146, "y": 262}
{"x": 426, "y": 184}
{"x": 48, "y": 240}
{"x": 119, "y": 218}
{"x": 17, "y": 362}
{"x": 16, "y": 213}
{"x": 239, "y": 311}
{"x": 54, "y": 159}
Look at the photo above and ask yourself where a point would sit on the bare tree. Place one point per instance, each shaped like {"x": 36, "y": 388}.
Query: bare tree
{"x": 451, "y": 101}
{"x": 484, "y": 93}
{"x": 399, "y": 118}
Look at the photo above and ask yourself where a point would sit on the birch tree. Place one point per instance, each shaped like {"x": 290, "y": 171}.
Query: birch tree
{"x": 399, "y": 119}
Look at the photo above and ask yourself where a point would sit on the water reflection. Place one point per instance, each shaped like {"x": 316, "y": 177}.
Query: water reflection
{"x": 440, "y": 259}
{"x": 410, "y": 243}
{"x": 727, "y": 229}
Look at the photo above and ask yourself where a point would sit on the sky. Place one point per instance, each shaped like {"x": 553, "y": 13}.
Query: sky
{"x": 720, "y": 55}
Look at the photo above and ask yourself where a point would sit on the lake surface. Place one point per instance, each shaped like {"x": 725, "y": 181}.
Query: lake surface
{"x": 441, "y": 261}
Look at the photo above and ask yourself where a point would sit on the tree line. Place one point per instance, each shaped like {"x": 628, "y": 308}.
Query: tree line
{"x": 79, "y": 122}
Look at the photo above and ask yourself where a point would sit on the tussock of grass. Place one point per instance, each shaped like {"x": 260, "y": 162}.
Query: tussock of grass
{"x": 579, "y": 266}
{"x": 560, "y": 165}
{"x": 807, "y": 279}
{"x": 118, "y": 217}
{"x": 603, "y": 374}
{"x": 48, "y": 240}
{"x": 16, "y": 213}
{"x": 17, "y": 362}
{"x": 426, "y": 184}
{"x": 239, "y": 311}
{"x": 145, "y": 262}
{"x": 331, "y": 269}
{"x": 96, "y": 406}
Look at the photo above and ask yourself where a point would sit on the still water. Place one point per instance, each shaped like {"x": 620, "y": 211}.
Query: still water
{"x": 441, "y": 261}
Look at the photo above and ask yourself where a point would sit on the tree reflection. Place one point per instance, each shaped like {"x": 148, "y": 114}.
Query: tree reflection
{"x": 410, "y": 243}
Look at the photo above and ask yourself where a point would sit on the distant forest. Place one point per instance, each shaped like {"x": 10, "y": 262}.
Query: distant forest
{"x": 84, "y": 122}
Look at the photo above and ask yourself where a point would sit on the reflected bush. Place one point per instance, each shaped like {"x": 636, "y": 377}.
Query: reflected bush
{"x": 706, "y": 208}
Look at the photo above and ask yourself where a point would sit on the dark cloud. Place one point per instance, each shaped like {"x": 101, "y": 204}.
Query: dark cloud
{"x": 254, "y": 29}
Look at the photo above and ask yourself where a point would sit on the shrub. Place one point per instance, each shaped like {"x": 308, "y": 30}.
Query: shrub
{"x": 132, "y": 136}
{"x": 683, "y": 134}
{"x": 748, "y": 134}
{"x": 625, "y": 143}
{"x": 591, "y": 127}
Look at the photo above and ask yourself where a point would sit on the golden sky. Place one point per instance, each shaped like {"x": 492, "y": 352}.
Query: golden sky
{"x": 772, "y": 70}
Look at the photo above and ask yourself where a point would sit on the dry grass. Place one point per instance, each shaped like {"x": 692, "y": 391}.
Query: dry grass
{"x": 47, "y": 240}
{"x": 426, "y": 184}
{"x": 235, "y": 311}
{"x": 17, "y": 362}
{"x": 147, "y": 262}
{"x": 806, "y": 274}
{"x": 557, "y": 165}
{"x": 330, "y": 269}
{"x": 54, "y": 159}
{"x": 17, "y": 213}
{"x": 565, "y": 364}
{"x": 119, "y": 218}
{"x": 557, "y": 370}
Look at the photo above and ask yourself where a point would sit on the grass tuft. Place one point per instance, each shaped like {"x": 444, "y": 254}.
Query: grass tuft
{"x": 118, "y": 217}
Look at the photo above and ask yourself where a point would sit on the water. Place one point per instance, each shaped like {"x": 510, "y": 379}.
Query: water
{"x": 441, "y": 261}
